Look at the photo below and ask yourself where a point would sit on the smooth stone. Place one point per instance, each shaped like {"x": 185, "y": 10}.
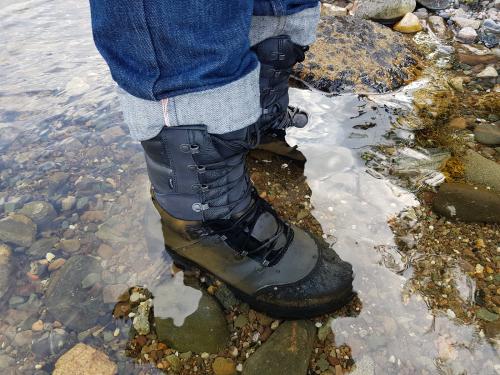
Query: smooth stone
{"x": 6, "y": 361}
{"x": 457, "y": 83}
{"x": 467, "y": 35}
{"x": 467, "y": 203}
{"x": 67, "y": 301}
{"x": 437, "y": 25}
{"x": 466, "y": 22}
{"x": 287, "y": 351}
{"x": 70, "y": 245}
{"x": 487, "y": 134}
{"x": 353, "y": 54}
{"x": 205, "y": 330}
{"x": 486, "y": 315}
{"x": 42, "y": 213}
{"x": 409, "y": 24}
{"x": 334, "y": 10}
{"x": 488, "y": 72}
{"x": 18, "y": 230}
{"x": 223, "y": 366}
{"x": 6, "y": 270}
{"x": 42, "y": 247}
{"x": 83, "y": 360}
{"x": 112, "y": 231}
{"x": 50, "y": 343}
{"x": 479, "y": 170}
{"x": 23, "y": 338}
{"x": 68, "y": 203}
{"x": 90, "y": 280}
{"x": 384, "y": 9}
{"x": 436, "y": 4}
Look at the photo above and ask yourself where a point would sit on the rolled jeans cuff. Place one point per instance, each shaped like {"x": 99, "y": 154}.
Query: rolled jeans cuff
{"x": 222, "y": 109}
{"x": 301, "y": 26}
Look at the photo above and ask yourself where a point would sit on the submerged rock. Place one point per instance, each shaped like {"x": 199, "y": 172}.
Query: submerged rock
{"x": 488, "y": 134}
{"x": 467, "y": 203}
{"x": 479, "y": 170}
{"x": 384, "y": 10}
{"x": 18, "y": 230}
{"x": 286, "y": 352}
{"x": 205, "y": 330}
{"x": 42, "y": 213}
{"x": 41, "y": 247}
{"x": 353, "y": 54}
{"x": 82, "y": 360}
{"x": 67, "y": 301}
{"x": 6, "y": 269}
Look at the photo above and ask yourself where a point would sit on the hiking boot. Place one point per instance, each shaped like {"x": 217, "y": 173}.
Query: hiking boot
{"x": 277, "y": 56}
{"x": 214, "y": 220}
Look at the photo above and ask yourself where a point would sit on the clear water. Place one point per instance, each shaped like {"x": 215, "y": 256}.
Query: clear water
{"x": 57, "y": 99}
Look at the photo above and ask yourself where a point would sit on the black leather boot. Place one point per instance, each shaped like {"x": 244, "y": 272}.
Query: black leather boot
{"x": 213, "y": 219}
{"x": 277, "y": 56}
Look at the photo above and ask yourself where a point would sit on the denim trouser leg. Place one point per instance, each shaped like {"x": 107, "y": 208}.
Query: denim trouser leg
{"x": 189, "y": 61}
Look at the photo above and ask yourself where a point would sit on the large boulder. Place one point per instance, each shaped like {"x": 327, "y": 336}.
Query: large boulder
{"x": 287, "y": 351}
{"x": 467, "y": 203}
{"x": 67, "y": 299}
{"x": 384, "y": 10}
{"x": 84, "y": 360}
{"x": 352, "y": 54}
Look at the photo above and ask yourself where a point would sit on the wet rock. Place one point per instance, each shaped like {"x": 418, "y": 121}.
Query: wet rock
{"x": 203, "y": 331}
{"x": 42, "y": 247}
{"x": 50, "y": 343}
{"x": 488, "y": 72}
{"x": 66, "y": 299}
{"x": 490, "y": 33}
{"x": 436, "y": 4}
{"x": 82, "y": 360}
{"x": 112, "y": 134}
{"x": 105, "y": 251}
{"x": 409, "y": 24}
{"x": 93, "y": 216}
{"x": 18, "y": 230}
{"x": 23, "y": 338}
{"x": 223, "y": 366}
{"x": 466, "y": 22}
{"x": 68, "y": 203}
{"x": 487, "y": 315}
{"x": 467, "y": 35}
{"x": 479, "y": 170}
{"x": 6, "y": 269}
{"x": 113, "y": 231}
{"x": 70, "y": 245}
{"x": 384, "y": 9}
{"x": 457, "y": 83}
{"x": 467, "y": 203}
{"x": 334, "y": 10}
{"x": 141, "y": 320}
{"x": 286, "y": 352}
{"x": 56, "y": 264}
{"x": 487, "y": 134}
{"x": 437, "y": 25}
{"x": 42, "y": 213}
{"x": 353, "y": 54}
{"x": 6, "y": 361}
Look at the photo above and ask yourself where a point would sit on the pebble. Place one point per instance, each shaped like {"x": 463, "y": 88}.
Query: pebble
{"x": 457, "y": 83}
{"x": 56, "y": 264}
{"x": 223, "y": 366}
{"x": 71, "y": 245}
{"x": 67, "y": 203}
{"x": 488, "y": 72}
{"x": 487, "y": 134}
{"x": 409, "y": 24}
{"x": 466, "y": 22}
{"x": 37, "y": 326}
{"x": 467, "y": 35}
{"x": 84, "y": 359}
{"x": 437, "y": 25}
{"x": 50, "y": 257}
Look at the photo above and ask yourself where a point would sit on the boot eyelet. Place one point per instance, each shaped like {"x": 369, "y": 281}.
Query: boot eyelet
{"x": 201, "y": 169}
{"x": 194, "y": 148}
{"x": 185, "y": 148}
{"x": 192, "y": 167}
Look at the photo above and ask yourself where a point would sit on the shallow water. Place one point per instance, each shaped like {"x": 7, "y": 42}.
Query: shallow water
{"x": 57, "y": 104}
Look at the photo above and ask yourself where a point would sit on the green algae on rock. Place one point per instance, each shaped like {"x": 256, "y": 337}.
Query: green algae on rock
{"x": 352, "y": 54}
{"x": 205, "y": 330}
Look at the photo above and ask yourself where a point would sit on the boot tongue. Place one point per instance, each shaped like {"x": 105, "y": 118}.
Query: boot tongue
{"x": 265, "y": 228}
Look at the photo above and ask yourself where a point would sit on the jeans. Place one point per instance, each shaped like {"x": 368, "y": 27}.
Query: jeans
{"x": 181, "y": 62}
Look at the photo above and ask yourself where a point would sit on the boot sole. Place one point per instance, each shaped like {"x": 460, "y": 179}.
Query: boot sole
{"x": 274, "y": 311}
